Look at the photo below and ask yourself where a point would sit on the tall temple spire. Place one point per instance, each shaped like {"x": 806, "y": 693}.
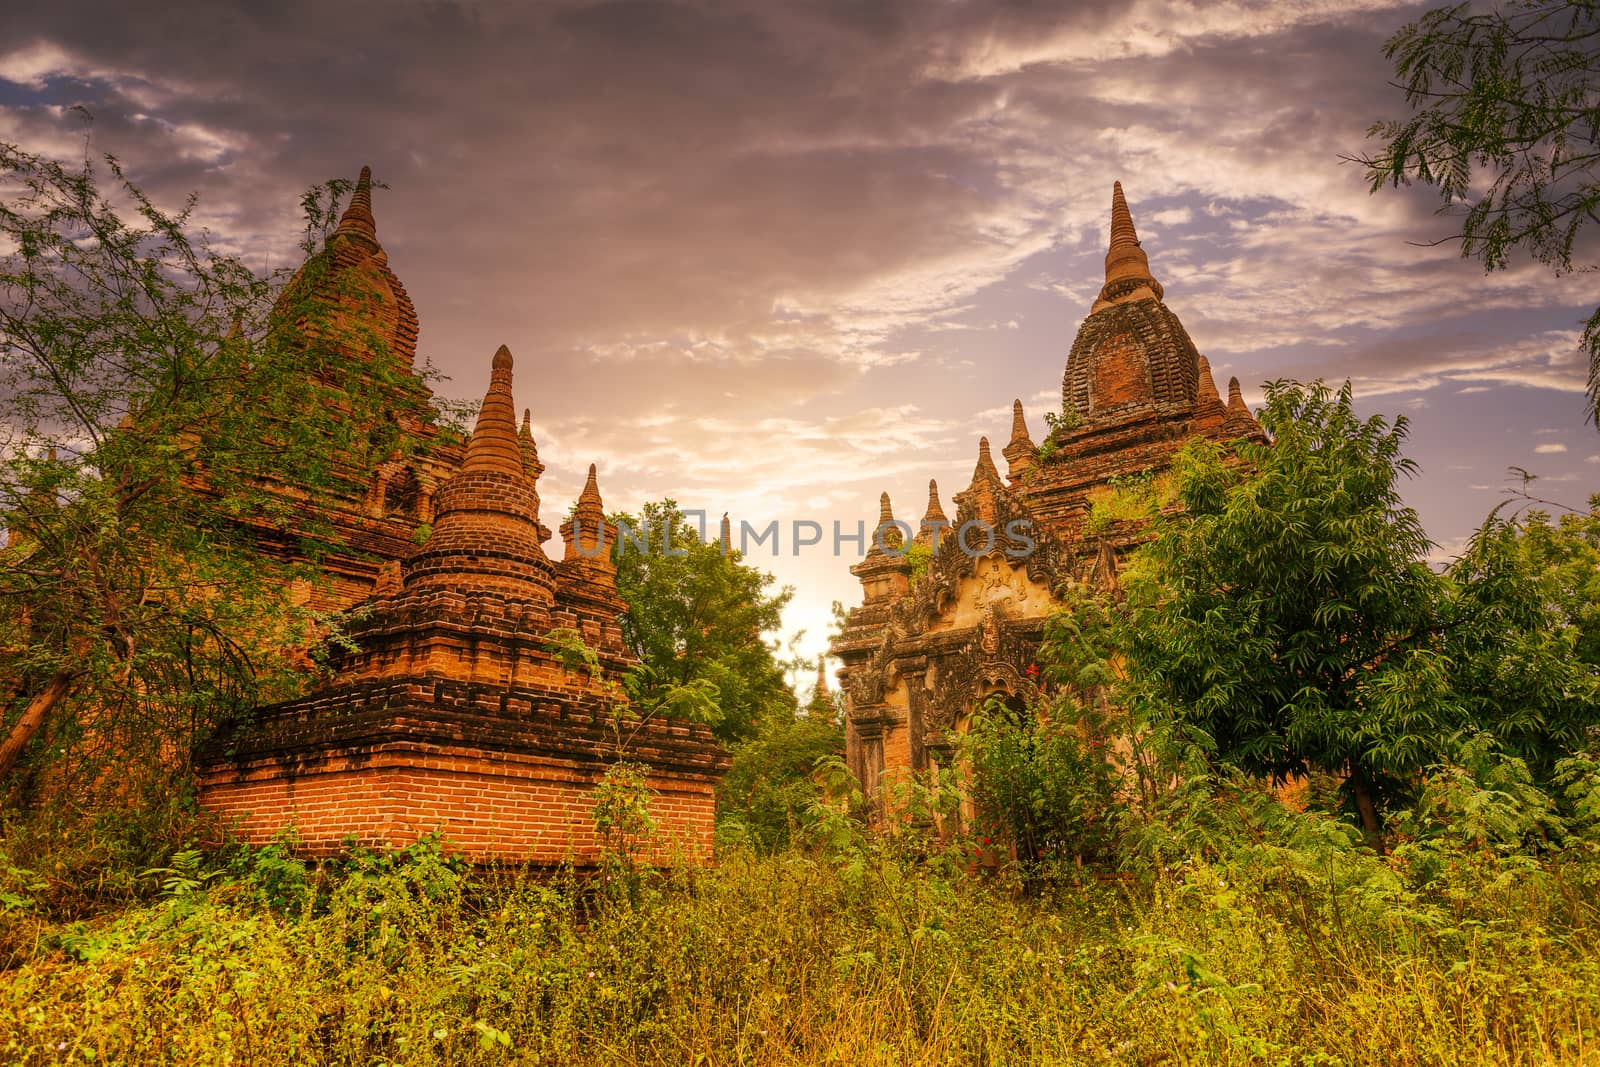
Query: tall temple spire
{"x": 981, "y": 498}
{"x": 886, "y": 533}
{"x": 885, "y": 569}
{"x": 887, "y": 537}
{"x": 1237, "y": 419}
{"x": 588, "y": 537}
{"x": 486, "y": 529}
{"x": 820, "y": 706}
{"x": 1122, "y": 231}
{"x": 1019, "y": 423}
{"x": 1236, "y": 397}
{"x": 1127, "y": 267}
{"x": 357, "y": 221}
{"x": 494, "y": 445}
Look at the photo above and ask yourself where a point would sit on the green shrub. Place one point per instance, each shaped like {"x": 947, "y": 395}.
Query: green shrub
{"x": 1284, "y": 941}
{"x": 1042, "y": 782}
{"x": 767, "y": 795}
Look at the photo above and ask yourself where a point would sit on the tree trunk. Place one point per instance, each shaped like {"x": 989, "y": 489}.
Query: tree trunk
{"x": 32, "y": 718}
{"x": 1370, "y": 823}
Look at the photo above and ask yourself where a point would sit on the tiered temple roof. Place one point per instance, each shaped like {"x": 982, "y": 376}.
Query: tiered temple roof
{"x": 918, "y": 657}
{"x": 347, "y": 296}
{"x": 455, "y": 703}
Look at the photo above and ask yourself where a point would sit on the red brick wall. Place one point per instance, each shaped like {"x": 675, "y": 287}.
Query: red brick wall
{"x": 487, "y": 806}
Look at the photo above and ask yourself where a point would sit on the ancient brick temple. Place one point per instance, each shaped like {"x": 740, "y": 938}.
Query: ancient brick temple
{"x": 920, "y": 657}
{"x": 458, "y": 705}
{"x": 360, "y": 305}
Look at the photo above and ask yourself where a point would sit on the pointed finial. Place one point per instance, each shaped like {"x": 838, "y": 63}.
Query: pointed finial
{"x": 1122, "y": 231}
{"x": 1127, "y": 266}
{"x": 985, "y": 467}
{"x": 357, "y": 220}
{"x": 934, "y": 526}
{"x": 822, "y": 676}
{"x": 1238, "y": 419}
{"x": 587, "y": 535}
{"x": 1019, "y": 423}
{"x": 887, "y": 534}
{"x": 1207, "y": 393}
{"x": 590, "y": 497}
{"x": 1236, "y": 397}
{"x": 494, "y": 445}
{"x": 530, "y": 448}
{"x": 1207, "y": 383}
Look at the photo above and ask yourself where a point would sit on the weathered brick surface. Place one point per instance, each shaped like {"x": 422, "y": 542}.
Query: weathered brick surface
{"x": 454, "y": 711}
{"x": 351, "y": 300}
{"x": 508, "y": 789}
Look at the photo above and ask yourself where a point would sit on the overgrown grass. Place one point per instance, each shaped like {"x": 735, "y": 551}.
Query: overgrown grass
{"x": 1293, "y": 948}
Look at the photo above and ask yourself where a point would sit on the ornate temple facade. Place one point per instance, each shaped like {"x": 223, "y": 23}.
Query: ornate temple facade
{"x": 457, "y": 704}
{"x": 920, "y": 657}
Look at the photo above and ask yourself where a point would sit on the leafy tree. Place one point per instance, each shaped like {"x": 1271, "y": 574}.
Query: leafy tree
{"x": 155, "y": 395}
{"x": 1287, "y": 613}
{"x": 1506, "y": 125}
{"x": 1522, "y": 634}
{"x": 1293, "y": 617}
{"x": 696, "y": 619}
{"x": 771, "y": 788}
{"x": 1565, "y": 558}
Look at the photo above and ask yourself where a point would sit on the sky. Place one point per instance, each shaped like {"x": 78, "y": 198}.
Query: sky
{"x": 774, "y": 258}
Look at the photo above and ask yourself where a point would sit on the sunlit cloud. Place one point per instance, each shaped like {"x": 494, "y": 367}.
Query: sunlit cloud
{"x": 767, "y": 256}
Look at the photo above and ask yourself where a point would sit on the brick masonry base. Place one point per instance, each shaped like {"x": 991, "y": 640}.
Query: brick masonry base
{"x": 488, "y": 806}
{"x": 383, "y": 765}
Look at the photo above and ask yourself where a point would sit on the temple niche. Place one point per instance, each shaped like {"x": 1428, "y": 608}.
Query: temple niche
{"x": 454, "y": 705}
{"x": 920, "y": 657}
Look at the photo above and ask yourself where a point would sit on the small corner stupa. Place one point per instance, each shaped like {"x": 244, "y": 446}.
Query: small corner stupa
{"x": 452, "y": 709}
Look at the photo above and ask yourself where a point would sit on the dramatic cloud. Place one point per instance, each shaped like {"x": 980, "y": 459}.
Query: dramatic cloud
{"x": 771, "y": 258}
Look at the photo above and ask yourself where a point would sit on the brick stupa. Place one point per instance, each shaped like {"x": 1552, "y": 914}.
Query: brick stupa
{"x": 347, "y": 297}
{"x": 455, "y": 710}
